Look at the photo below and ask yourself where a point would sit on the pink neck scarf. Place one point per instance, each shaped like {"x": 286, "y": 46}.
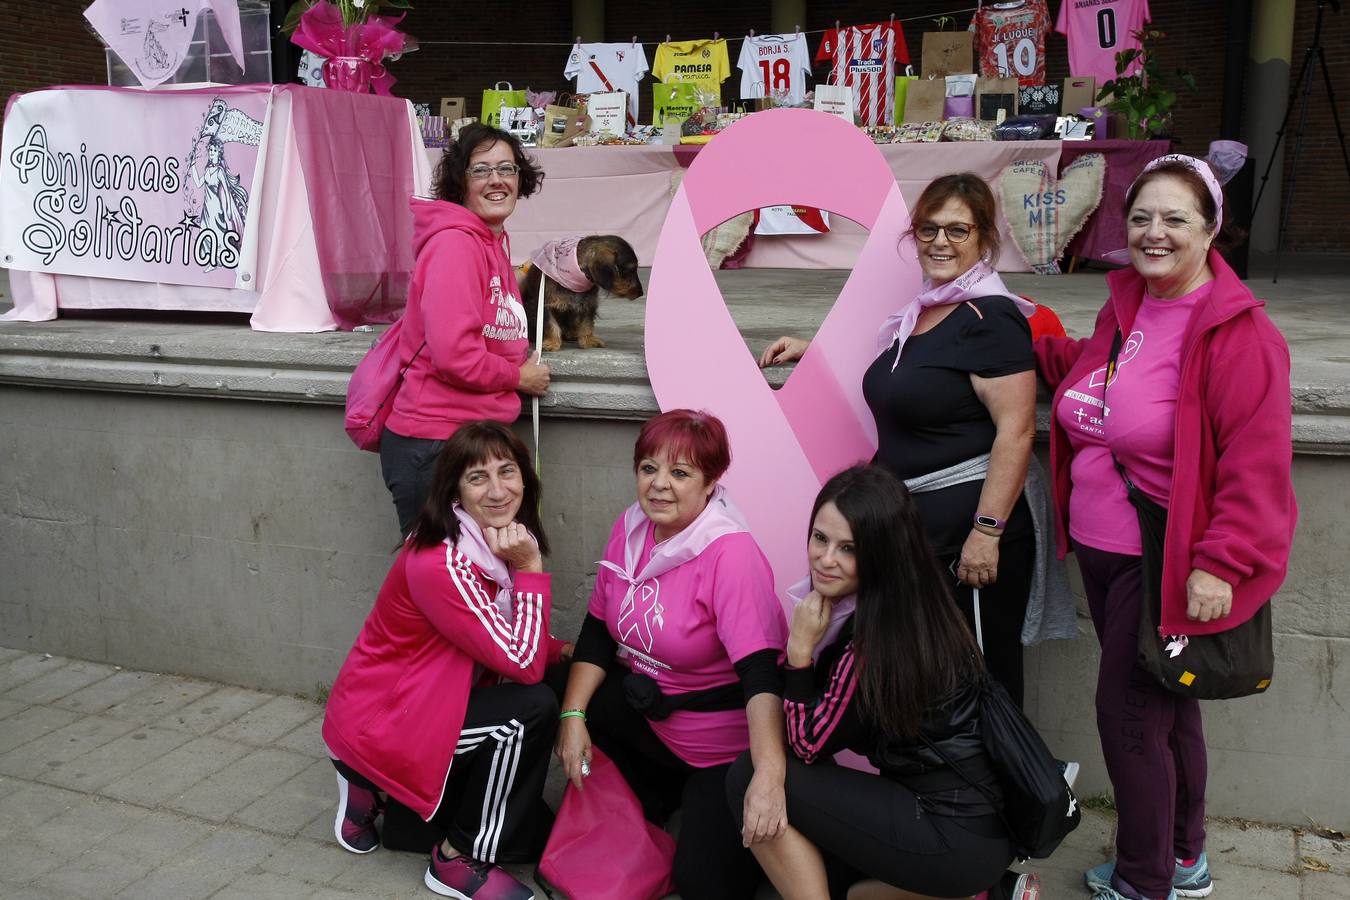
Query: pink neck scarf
{"x": 980, "y": 280}
{"x": 640, "y": 610}
{"x": 474, "y": 546}
{"x": 558, "y": 260}
{"x": 840, "y": 610}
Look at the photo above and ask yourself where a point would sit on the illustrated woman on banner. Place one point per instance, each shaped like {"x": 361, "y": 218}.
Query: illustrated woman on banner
{"x": 224, "y": 199}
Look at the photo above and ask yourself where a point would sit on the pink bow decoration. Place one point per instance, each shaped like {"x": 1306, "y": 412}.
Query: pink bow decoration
{"x": 321, "y": 31}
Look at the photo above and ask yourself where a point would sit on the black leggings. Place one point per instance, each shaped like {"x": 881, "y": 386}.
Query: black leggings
{"x": 491, "y": 806}
{"x": 1003, "y": 607}
{"x": 710, "y": 862}
{"x": 867, "y": 826}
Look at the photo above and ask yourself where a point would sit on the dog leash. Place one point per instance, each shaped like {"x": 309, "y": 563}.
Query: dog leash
{"x": 538, "y": 357}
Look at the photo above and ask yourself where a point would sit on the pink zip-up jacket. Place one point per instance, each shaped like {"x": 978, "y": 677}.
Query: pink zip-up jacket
{"x": 463, "y": 301}
{"x": 397, "y": 707}
{"x": 1231, "y": 509}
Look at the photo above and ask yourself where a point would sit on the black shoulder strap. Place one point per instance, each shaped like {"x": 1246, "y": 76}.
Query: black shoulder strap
{"x": 1111, "y": 366}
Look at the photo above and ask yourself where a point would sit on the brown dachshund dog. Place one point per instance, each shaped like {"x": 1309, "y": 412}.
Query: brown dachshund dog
{"x": 608, "y": 262}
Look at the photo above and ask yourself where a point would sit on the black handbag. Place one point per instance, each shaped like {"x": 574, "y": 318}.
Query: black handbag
{"x": 1038, "y": 808}
{"x": 1233, "y": 663}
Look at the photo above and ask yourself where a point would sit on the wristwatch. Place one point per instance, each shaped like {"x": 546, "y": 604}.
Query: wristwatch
{"x": 990, "y": 522}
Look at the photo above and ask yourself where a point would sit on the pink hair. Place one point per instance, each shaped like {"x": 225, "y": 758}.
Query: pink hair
{"x": 698, "y": 437}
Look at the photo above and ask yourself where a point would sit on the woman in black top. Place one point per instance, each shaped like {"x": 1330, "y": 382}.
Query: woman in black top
{"x": 899, "y": 685}
{"x": 953, "y": 392}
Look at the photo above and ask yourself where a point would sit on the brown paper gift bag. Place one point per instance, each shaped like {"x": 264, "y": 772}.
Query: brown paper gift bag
{"x": 1079, "y": 91}
{"x": 561, "y": 125}
{"x": 993, "y": 94}
{"x": 947, "y": 53}
{"x": 925, "y": 99}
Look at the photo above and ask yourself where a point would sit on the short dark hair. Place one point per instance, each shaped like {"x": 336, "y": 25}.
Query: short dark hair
{"x": 697, "y": 435}
{"x": 450, "y": 178}
{"x": 974, "y": 192}
{"x": 912, "y": 645}
{"x": 474, "y": 443}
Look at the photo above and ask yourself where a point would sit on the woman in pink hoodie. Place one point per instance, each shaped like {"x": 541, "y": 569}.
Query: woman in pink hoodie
{"x": 464, "y": 341}
{"x": 1198, "y": 420}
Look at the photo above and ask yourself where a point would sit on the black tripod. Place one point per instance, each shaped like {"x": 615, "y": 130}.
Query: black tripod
{"x": 1305, "y": 78}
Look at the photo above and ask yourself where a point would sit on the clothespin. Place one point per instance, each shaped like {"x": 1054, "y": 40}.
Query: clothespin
{"x": 892, "y": 25}
{"x": 796, "y": 29}
{"x": 578, "y": 40}
{"x": 635, "y": 40}
{"x": 752, "y": 32}
{"x": 717, "y": 35}
{"x": 667, "y": 38}
{"x": 836, "y": 25}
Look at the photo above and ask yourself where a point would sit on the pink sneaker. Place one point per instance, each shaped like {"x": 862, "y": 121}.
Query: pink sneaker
{"x": 469, "y": 879}
{"x": 354, "y": 826}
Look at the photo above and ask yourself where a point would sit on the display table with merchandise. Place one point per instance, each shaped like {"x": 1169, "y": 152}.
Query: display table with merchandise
{"x": 626, "y": 190}
{"x": 291, "y": 203}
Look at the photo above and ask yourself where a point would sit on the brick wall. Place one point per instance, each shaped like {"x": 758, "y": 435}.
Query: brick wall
{"x": 451, "y": 64}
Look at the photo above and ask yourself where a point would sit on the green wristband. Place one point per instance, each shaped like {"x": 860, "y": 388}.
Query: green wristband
{"x": 572, "y": 714}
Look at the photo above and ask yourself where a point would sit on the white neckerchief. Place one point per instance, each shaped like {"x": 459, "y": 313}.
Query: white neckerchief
{"x": 980, "y": 280}
{"x": 719, "y": 518}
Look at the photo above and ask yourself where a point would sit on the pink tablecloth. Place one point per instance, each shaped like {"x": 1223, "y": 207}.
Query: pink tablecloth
{"x": 627, "y": 190}
{"x": 335, "y": 235}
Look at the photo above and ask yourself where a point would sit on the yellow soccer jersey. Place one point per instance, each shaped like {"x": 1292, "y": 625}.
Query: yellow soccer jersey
{"x": 702, "y": 62}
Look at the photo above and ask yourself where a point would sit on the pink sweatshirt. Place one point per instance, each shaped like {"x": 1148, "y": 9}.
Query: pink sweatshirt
{"x": 463, "y": 302}
{"x": 397, "y": 707}
{"x": 1231, "y": 507}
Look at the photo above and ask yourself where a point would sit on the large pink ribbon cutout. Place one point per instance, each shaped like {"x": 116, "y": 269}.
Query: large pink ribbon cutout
{"x": 785, "y": 444}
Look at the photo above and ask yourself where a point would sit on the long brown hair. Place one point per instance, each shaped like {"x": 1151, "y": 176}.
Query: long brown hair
{"x": 473, "y": 444}
{"x": 911, "y": 643}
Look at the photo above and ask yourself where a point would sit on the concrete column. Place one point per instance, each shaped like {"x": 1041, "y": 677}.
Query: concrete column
{"x": 1267, "y": 96}
{"x": 588, "y": 19}
{"x": 788, "y": 14}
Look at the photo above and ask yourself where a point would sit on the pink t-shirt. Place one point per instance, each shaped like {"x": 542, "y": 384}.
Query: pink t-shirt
{"x": 696, "y": 620}
{"x": 1097, "y": 30}
{"x": 1139, "y": 425}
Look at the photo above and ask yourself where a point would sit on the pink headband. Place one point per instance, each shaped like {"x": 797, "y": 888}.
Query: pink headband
{"x": 1200, "y": 168}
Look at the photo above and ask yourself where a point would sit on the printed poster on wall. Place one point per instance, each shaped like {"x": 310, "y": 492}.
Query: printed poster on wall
{"x": 172, "y": 200}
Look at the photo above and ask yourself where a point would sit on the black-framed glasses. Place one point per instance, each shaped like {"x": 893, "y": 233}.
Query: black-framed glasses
{"x": 482, "y": 171}
{"x": 957, "y": 232}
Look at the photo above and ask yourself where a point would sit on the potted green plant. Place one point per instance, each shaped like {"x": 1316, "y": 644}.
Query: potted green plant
{"x": 1144, "y": 98}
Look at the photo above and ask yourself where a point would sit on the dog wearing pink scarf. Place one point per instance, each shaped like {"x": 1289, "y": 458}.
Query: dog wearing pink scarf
{"x": 573, "y": 271}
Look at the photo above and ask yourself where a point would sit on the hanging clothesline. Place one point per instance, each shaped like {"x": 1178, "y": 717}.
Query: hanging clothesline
{"x": 950, "y": 12}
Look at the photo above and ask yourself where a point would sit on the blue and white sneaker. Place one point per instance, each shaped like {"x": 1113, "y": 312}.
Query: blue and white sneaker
{"x": 1193, "y": 880}
{"x": 1187, "y": 881}
{"x": 1102, "y": 887}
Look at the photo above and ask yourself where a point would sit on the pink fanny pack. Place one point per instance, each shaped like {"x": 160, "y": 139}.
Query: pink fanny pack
{"x": 371, "y": 391}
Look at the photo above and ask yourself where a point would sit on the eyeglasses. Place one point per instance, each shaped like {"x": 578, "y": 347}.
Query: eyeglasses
{"x": 957, "y": 232}
{"x": 483, "y": 171}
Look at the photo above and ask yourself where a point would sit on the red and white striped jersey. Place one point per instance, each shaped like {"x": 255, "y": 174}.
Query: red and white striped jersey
{"x": 864, "y": 59}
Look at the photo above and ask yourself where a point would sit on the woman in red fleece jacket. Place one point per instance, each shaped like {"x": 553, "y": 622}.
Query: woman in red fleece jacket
{"x": 1198, "y": 416}
{"x": 440, "y": 704}
{"x": 464, "y": 342}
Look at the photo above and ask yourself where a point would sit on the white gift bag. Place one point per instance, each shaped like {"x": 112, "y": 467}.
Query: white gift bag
{"x": 836, "y": 99}
{"x": 608, "y": 111}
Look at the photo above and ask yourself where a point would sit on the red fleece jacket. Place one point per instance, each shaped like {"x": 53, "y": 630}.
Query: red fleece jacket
{"x": 1231, "y": 510}
{"x": 463, "y": 302}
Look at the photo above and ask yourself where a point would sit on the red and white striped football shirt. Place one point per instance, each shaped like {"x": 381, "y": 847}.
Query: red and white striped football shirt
{"x": 864, "y": 58}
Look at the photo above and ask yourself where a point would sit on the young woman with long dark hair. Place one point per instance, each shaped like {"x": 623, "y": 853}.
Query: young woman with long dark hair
{"x": 898, "y": 681}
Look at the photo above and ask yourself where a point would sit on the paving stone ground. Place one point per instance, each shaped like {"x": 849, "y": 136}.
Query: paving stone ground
{"x": 121, "y": 784}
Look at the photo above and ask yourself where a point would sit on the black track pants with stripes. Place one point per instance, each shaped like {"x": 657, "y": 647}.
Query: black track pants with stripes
{"x": 492, "y": 807}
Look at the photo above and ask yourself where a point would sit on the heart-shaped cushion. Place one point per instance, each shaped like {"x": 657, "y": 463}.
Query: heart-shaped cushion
{"x": 1044, "y": 214}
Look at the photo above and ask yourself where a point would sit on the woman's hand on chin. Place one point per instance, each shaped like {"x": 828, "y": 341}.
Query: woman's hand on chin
{"x": 810, "y": 618}
{"x": 514, "y": 545}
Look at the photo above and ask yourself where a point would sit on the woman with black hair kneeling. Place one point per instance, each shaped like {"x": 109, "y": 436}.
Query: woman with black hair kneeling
{"x": 440, "y": 704}
{"x": 898, "y": 683}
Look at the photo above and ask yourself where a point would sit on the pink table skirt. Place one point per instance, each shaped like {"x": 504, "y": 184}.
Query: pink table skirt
{"x": 334, "y": 246}
{"x": 627, "y": 191}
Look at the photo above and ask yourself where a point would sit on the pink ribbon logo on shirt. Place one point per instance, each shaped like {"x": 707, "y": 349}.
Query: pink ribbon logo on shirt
{"x": 784, "y": 443}
{"x": 638, "y": 617}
